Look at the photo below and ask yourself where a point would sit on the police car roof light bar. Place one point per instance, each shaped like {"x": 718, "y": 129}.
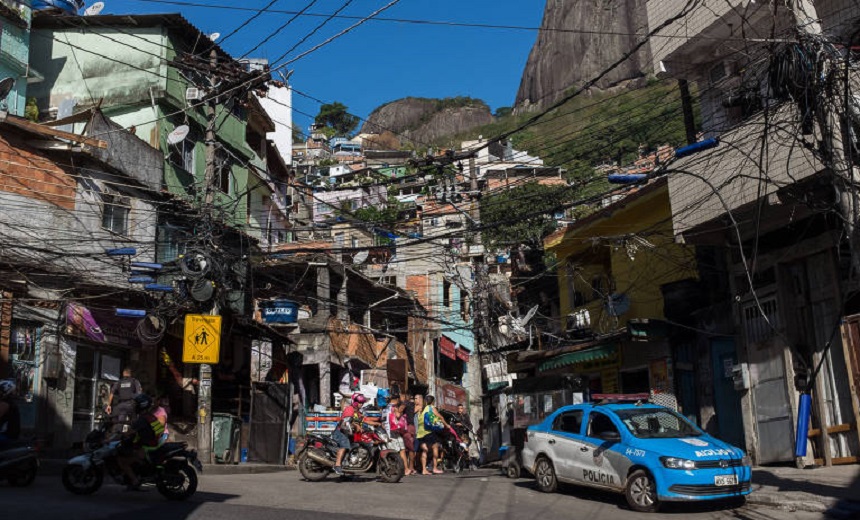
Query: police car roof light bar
{"x": 620, "y": 398}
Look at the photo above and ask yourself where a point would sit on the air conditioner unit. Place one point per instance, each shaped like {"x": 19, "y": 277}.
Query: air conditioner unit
{"x": 193, "y": 94}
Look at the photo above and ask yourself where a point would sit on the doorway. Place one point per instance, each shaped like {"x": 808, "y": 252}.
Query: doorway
{"x": 95, "y": 373}
{"x": 727, "y": 403}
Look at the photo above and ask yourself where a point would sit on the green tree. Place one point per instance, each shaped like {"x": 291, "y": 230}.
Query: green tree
{"x": 504, "y": 111}
{"x": 523, "y": 215}
{"x": 336, "y": 117}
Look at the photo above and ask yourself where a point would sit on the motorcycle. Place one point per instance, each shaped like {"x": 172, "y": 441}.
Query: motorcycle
{"x": 170, "y": 467}
{"x": 368, "y": 452}
{"x": 18, "y": 465}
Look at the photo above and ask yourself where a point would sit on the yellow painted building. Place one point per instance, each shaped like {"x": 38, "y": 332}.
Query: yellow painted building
{"x": 620, "y": 257}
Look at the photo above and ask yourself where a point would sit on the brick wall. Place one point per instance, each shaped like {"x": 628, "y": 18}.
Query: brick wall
{"x": 27, "y": 172}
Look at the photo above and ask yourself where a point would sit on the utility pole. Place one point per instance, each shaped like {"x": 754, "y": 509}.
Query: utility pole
{"x": 204, "y": 395}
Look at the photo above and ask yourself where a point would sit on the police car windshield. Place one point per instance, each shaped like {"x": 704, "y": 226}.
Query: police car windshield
{"x": 651, "y": 423}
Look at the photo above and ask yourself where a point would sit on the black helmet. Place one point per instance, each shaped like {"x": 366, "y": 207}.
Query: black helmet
{"x": 142, "y": 403}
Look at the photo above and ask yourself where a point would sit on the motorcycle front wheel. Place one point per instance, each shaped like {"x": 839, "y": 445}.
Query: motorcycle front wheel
{"x": 26, "y": 476}
{"x": 82, "y": 481}
{"x": 311, "y": 470}
{"x": 177, "y": 482}
{"x": 391, "y": 468}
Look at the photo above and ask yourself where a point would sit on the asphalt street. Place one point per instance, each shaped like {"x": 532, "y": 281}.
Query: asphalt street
{"x": 482, "y": 494}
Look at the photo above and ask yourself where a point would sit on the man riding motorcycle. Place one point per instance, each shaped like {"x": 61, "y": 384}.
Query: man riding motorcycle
{"x": 350, "y": 422}
{"x": 145, "y": 432}
{"x": 10, "y": 416}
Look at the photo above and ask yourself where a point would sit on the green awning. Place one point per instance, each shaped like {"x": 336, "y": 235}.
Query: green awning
{"x": 602, "y": 353}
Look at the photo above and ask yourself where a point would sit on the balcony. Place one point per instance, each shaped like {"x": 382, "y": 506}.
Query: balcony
{"x": 709, "y": 32}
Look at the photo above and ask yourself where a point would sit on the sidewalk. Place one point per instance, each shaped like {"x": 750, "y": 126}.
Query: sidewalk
{"x": 55, "y": 467}
{"x": 834, "y": 491}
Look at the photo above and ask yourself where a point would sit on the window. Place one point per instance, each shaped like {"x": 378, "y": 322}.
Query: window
{"x": 446, "y": 293}
{"x": 599, "y": 424}
{"x": 354, "y": 243}
{"x": 597, "y": 288}
{"x": 223, "y": 169}
{"x": 569, "y": 422}
{"x": 188, "y": 155}
{"x": 115, "y": 211}
{"x": 464, "y": 306}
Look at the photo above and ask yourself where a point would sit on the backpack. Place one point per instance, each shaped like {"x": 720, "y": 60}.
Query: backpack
{"x": 432, "y": 422}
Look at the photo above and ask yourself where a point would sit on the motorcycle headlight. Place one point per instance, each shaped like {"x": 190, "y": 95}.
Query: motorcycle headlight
{"x": 676, "y": 463}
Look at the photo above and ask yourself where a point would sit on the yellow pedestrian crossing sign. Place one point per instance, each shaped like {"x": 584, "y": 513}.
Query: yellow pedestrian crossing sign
{"x": 202, "y": 339}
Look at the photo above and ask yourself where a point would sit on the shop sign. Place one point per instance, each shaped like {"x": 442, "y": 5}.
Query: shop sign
{"x": 449, "y": 395}
{"x": 279, "y": 312}
{"x": 99, "y": 326}
{"x": 202, "y": 339}
{"x": 447, "y": 348}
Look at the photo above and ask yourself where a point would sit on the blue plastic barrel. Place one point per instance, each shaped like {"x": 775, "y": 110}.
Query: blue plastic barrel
{"x": 803, "y": 413}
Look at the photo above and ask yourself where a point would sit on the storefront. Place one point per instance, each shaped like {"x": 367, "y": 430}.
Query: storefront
{"x": 99, "y": 345}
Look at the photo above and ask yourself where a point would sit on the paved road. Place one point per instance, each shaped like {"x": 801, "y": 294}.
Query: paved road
{"x": 481, "y": 495}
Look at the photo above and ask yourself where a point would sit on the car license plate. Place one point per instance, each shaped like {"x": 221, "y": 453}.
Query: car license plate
{"x": 726, "y": 480}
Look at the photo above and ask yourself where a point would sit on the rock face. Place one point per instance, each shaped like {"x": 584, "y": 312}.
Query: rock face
{"x": 423, "y": 120}
{"x": 603, "y": 30}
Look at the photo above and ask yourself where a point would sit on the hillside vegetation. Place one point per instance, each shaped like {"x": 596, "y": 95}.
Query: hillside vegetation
{"x": 594, "y": 129}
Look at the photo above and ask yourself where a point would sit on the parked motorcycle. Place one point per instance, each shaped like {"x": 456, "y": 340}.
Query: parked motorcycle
{"x": 169, "y": 467}
{"x": 18, "y": 465}
{"x": 368, "y": 453}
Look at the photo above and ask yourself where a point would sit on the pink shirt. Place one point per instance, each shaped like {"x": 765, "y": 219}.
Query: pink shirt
{"x": 396, "y": 424}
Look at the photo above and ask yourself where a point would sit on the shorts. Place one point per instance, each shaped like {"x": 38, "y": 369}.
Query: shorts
{"x": 395, "y": 443}
{"x": 341, "y": 439}
{"x": 429, "y": 440}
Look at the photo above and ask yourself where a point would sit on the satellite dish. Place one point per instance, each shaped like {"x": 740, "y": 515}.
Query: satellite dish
{"x": 214, "y": 36}
{"x": 359, "y": 257}
{"x": 6, "y": 85}
{"x": 178, "y": 134}
{"x": 94, "y": 9}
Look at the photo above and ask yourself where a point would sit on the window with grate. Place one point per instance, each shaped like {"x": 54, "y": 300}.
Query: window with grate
{"x": 757, "y": 326}
{"x": 115, "y": 210}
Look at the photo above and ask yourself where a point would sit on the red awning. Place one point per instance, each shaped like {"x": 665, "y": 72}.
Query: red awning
{"x": 447, "y": 348}
{"x": 463, "y": 354}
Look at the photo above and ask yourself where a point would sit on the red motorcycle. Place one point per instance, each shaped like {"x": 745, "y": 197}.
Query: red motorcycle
{"x": 368, "y": 453}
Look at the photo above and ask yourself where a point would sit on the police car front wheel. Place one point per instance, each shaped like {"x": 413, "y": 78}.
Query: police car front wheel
{"x": 641, "y": 492}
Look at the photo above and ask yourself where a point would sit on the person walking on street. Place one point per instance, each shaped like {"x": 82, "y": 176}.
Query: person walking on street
{"x": 432, "y": 421}
{"x": 397, "y": 428}
{"x": 121, "y": 398}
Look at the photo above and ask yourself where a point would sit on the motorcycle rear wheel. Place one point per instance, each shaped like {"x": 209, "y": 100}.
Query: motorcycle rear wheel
{"x": 82, "y": 481}
{"x": 391, "y": 468}
{"x": 25, "y": 477}
{"x": 177, "y": 482}
{"x": 311, "y": 470}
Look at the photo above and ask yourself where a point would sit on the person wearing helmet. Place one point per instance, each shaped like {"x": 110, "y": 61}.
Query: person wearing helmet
{"x": 351, "y": 421}
{"x": 146, "y": 432}
{"x": 10, "y": 416}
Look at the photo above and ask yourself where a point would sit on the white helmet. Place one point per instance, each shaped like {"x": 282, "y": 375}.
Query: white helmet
{"x": 7, "y": 388}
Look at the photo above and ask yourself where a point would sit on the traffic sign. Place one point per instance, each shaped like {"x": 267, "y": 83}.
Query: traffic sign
{"x": 202, "y": 339}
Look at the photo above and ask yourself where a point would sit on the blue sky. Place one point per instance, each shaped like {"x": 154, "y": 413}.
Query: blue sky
{"x": 379, "y": 61}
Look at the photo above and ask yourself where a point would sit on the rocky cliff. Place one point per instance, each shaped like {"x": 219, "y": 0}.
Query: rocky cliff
{"x": 579, "y": 39}
{"x": 423, "y": 120}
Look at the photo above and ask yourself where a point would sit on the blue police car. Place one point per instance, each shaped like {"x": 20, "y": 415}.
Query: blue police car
{"x": 648, "y": 452}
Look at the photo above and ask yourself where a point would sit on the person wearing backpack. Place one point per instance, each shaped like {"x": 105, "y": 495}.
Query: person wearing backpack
{"x": 431, "y": 423}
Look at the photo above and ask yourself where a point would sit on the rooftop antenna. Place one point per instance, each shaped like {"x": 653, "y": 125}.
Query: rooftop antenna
{"x": 178, "y": 134}
{"x": 94, "y": 9}
{"x": 6, "y": 85}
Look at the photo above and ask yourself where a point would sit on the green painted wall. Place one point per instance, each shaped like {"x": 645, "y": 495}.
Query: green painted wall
{"x": 129, "y": 72}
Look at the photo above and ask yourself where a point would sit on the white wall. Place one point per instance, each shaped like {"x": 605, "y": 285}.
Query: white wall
{"x": 278, "y": 103}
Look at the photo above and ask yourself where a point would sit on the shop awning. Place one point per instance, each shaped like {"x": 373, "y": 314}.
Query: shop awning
{"x": 574, "y": 358}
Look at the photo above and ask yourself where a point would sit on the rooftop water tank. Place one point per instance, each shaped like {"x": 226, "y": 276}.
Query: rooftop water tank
{"x": 69, "y": 6}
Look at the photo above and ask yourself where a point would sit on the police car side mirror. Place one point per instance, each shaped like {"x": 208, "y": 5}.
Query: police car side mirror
{"x": 611, "y": 436}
